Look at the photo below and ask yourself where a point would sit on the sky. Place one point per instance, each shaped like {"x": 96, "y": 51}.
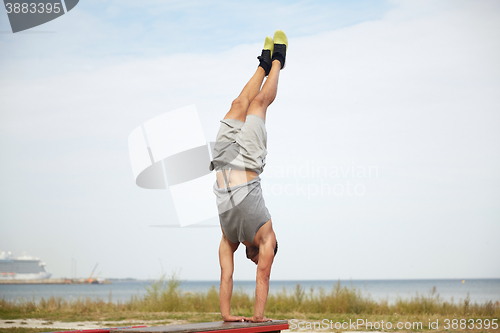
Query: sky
{"x": 383, "y": 141}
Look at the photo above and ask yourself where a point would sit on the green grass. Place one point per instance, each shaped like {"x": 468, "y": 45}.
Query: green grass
{"x": 165, "y": 301}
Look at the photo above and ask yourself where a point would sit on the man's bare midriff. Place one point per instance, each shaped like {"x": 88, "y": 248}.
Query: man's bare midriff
{"x": 236, "y": 177}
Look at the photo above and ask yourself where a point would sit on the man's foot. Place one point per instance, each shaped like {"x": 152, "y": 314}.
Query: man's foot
{"x": 266, "y": 56}
{"x": 280, "y": 46}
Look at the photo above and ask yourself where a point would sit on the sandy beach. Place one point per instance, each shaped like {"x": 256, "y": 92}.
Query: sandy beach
{"x": 52, "y": 325}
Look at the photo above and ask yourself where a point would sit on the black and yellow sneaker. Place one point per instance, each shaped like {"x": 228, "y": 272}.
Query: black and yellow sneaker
{"x": 280, "y": 47}
{"x": 266, "y": 56}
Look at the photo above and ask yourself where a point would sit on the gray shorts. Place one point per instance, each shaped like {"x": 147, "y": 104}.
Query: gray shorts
{"x": 241, "y": 145}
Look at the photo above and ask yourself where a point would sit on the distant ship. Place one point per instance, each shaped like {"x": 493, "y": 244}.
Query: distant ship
{"x": 21, "y": 268}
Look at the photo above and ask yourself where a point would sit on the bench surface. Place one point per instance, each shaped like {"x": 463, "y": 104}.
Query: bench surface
{"x": 219, "y": 326}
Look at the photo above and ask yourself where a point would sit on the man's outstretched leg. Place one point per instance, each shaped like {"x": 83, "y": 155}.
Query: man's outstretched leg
{"x": 258, "y": 106}
{"x": 240, "y": 105}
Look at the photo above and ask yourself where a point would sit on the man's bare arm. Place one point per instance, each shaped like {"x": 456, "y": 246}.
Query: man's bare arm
{"x": 266, "y": 258}
{"x": 226, "y": 259}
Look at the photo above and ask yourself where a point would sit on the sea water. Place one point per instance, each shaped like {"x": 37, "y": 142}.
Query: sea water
{"x": 477, "y": 290}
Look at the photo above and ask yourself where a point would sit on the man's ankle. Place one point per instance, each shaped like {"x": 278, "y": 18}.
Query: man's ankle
{"x": 276, "y": 62}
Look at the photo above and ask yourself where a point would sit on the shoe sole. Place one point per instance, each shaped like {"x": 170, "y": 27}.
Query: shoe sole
{"x": 280, "y": 38}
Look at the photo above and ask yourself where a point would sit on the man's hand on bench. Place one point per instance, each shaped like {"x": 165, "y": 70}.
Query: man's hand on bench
{"x": 257, "y": 320}
{"x": 234, "y": 318}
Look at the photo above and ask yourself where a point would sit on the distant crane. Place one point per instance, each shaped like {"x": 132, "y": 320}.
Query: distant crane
{"x": 96, "y": 279}
{"x": 90, "y": 277}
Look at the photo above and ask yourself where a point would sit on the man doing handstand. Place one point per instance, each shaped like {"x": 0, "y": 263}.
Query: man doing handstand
{"x": 239, "y": 158}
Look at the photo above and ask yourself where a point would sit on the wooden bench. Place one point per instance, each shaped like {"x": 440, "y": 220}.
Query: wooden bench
{"x": 217, "y": 327}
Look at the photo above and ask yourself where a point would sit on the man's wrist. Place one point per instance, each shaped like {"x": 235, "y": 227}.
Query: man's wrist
{"x": 227, "y": 316}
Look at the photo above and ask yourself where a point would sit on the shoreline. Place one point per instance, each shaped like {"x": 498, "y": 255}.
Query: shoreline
{"x": 52, "y": 281}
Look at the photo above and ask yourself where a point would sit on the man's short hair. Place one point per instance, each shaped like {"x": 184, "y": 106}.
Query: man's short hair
{"x": 251, "y": 251}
